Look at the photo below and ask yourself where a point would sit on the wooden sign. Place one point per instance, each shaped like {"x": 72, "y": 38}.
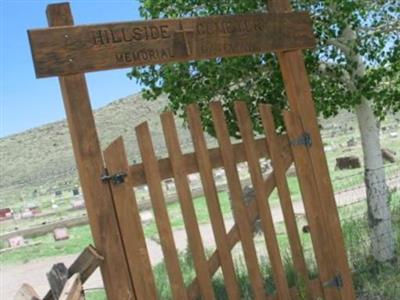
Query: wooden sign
{"x": 77, "y": 49}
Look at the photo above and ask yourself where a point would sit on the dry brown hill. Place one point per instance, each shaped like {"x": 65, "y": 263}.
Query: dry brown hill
{"x": 42, "y": 157}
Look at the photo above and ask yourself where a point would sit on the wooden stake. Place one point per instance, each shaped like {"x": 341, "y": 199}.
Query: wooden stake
{"x": 89, "y": 160}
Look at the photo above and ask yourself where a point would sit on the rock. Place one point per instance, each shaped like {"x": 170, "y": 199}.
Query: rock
{"x": 16, "y": 241}
{"x": 347, "y": 162}
{"x": 60, "y": 234}
{"x": 388, "y": 155}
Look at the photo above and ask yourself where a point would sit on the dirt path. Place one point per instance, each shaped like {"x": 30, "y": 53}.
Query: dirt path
{"x": 33, "y": 272}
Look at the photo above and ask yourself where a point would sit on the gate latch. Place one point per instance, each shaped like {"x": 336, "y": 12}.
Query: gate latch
{"x": 115, "y": 179}
{"x": 303, "y": 140}
{"x": 335, "y": 282}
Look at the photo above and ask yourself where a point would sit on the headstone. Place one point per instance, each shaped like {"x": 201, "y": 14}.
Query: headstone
{"x": 219, "y": 174}
{"x": 351, "y": 142}
{"x": 266, "y": 167}
{"x": 58, "y": 193}
{"x": 27, "y": 214}
{"x": 389, "y": 155}
{"x": 75, "y": 192}
{"x": 33, "y": 207}
{"x": 4, "y": 212}
{"x": 169, "y": 184}
{"x": 146, "y": 216}
{"x": 16, "y": 241}
{"x": 393, "y": 134}
{"x": 78, "y": 204}
{"x": 60, "y": 234}
{"x": 347, "y": 162}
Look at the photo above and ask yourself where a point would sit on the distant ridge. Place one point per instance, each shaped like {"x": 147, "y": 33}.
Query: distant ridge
{"x": 43, "y": 155}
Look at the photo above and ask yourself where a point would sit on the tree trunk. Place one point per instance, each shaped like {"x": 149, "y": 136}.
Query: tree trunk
{"x": 379, "y": 215}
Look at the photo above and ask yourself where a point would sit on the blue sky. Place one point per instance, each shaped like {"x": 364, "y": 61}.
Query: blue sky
{"x": 27, "y": 102}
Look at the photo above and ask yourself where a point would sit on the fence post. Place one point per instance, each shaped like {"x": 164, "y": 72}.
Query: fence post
{"x": 89, "y": 160}
{"x": 301, "y": 103}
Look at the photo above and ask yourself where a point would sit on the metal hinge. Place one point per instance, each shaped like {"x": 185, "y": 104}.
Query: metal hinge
{"x": 303, "y": 140}
{"x": 115, "y": 179}
{"x": 335, "y": 282}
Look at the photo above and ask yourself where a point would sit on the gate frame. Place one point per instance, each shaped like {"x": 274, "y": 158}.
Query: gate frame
{"x": 99, "y": 201}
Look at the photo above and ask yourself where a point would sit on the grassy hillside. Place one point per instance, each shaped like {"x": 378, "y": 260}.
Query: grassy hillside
{"x": 42, "y": 159}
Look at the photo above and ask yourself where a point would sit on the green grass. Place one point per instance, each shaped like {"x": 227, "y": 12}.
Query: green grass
{"x": 80, "y": 237}
{"x": 371, "y": 279}
{"x": 98, "y": 294}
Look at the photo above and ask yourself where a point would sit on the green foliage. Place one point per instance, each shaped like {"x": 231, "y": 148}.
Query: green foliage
{"x": 350, "y": 35}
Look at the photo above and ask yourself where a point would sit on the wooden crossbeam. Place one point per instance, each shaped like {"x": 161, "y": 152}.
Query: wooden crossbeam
{"x": 85, "y": 264}
{"x": 136, "y": 171}
{"x": 76, "y": 49}
{"x": 233, "y": 235}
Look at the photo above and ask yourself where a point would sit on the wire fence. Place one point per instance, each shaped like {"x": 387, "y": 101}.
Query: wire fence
{"x": 371, "y": 229}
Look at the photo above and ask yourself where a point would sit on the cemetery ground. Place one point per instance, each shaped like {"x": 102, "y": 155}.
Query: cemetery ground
{"x": 340, "y": 139}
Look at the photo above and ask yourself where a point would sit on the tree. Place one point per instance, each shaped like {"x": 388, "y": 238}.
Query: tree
{"x": 355, "y": 67}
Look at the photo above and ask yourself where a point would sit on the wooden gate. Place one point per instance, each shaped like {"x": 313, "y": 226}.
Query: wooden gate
{"x": 68, "y": 51}
{"x": 281, "y": 149}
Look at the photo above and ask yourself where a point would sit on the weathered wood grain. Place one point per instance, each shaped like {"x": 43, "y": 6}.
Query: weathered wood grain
{"x": 239, "y": 208}
{"x": 89, "y": 160}
{"x": 284, "y": 197}
{"x": 57, "y": 277}
{"x": 85, "y": 264}
{"x": 187, "y": 206}
{"x": 136, "y": 171}
{"x": 72, "y": 289}
{"x": 130, "y": 224}
{"x": 322, "y": 241}
{"x": 233, "y": 234}
{"x": 75, "y": 49}
{"x": 160, "y": 212}
{"x": 26, "y": 292}
{"x": 267, "y": 224}
{"x": 212, "y": 201}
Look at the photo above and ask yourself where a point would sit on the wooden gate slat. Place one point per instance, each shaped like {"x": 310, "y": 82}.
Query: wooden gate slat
{"x": 322, "y": 242}
{"x": 299, "y": 95}
{"x": 87, "y": 152}
{"x": 130, "y": 224}
{"x": 187, "y": 207}
{"x": 246, "y": 131}
{"x": 164, "y": 164}
{"x": 293, "y": 69}
{"x": 153, "y": 178}
{"x": 284, "y": 195}
{"x": 233, "y": 235}
{"x": 211, "y": 195}
{"x": 239, "y": 209}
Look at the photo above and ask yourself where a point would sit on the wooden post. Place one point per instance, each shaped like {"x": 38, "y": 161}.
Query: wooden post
{"x": 98, "y": 198}
{"x": 301, "y": 103}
